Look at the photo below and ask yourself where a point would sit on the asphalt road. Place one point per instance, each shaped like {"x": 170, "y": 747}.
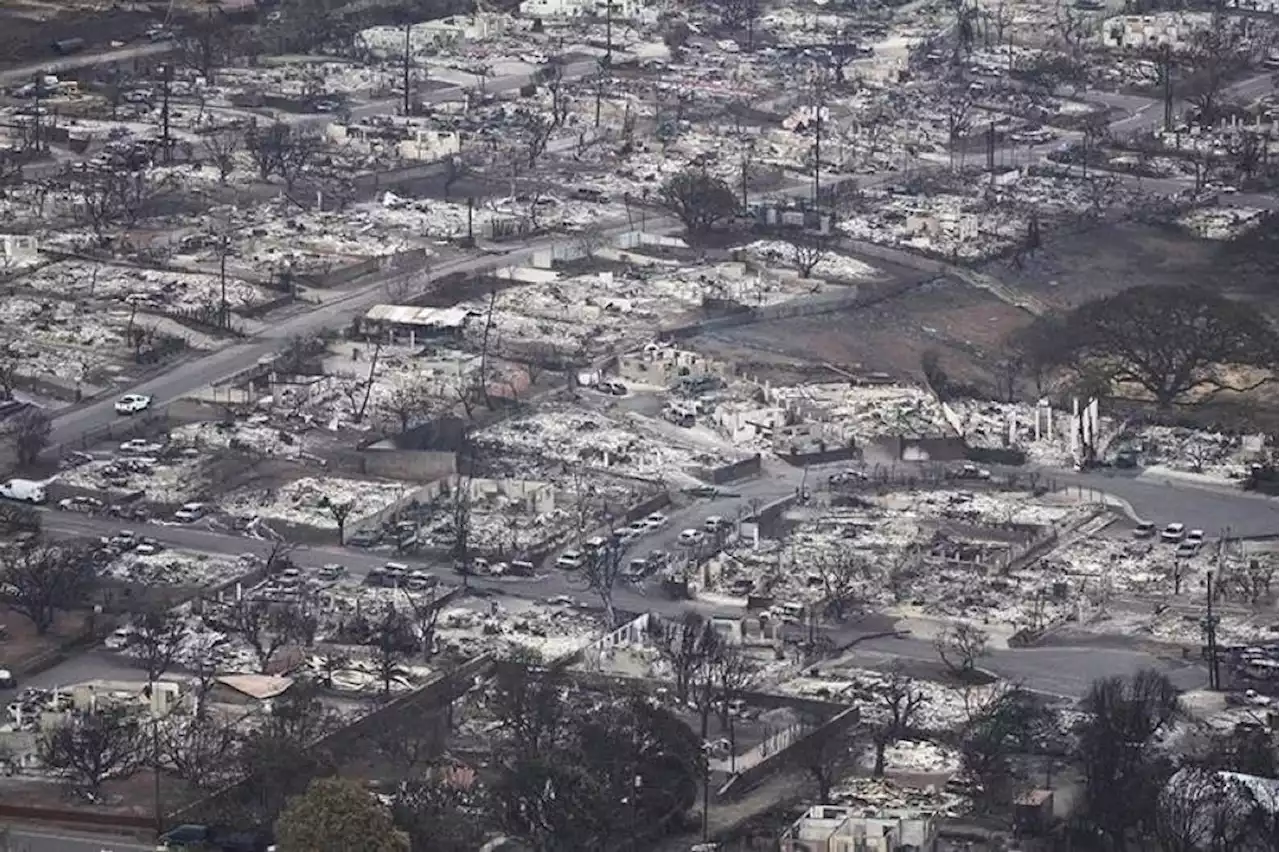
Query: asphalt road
{"x": 1063, "y": 671}
{"x": 56, "y": 64}
{"x": 23, "y": 839}
{"x": 1166, "y": 502}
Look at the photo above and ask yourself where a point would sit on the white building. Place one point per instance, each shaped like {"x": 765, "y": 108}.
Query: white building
{"x": 835, "y": 828}
{"x": 17, "y": 250}
{"x": 958, "y": 227}
{"x": 408, "y": 141}
{"x": 623, "y": 10}
{"x": 1136, "y": 32}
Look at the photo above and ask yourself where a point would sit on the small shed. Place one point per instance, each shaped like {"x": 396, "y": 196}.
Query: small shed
{"x": 1033, "y": 810}
{"x": 410, "y": 324}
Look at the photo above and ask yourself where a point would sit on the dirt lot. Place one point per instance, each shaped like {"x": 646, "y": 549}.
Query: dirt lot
{"x": 1073, "y": 268}
{"x": 21, "y": 646}
{"x": 959, "y": 321}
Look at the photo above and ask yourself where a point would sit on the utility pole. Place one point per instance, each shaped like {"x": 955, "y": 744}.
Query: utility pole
{"x": 224, "y": 246}
{"x": 1166, "y": 68}
{"x": 407, "y": 28}
{"x": 819, "y": 97}
{"x": 167, "y": 78}
{"x": 606, "y": 63}
{"x": 991, "y": 149}
{"x": 36, "y": 130}
{"x": 1211, "y": 626}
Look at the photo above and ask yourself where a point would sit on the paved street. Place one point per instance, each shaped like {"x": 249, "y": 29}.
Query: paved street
{"x": 1065, "y": 671}
{"x": 29, "y": 839}
{"x": 1212, "y": 510}
{"x": 56, "y": 64}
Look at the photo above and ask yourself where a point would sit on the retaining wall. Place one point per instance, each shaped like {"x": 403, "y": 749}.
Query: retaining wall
{"x": 796, "y": 754}
{"x": 730, "y": 472}
{"x": 347, "y": 742}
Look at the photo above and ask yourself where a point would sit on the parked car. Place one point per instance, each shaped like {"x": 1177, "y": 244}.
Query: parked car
{"x": 570, "y": 560}
{"x": 1146, "y": 529}
{"x": 7, "y": 680}
{"x": 330, "y": 571}
{"x": 363, "y": 538}
{"x": 1196, "y": 536}
{"x": 147, "y": 547}
{"x": 691, "y": 537}
{"x": 420, "y": 581}
{"x": 203, "y": 837}
{"x": 520, "y": 568}
{"x": 118, "y": 639}
{"x": 141, "y": 446}
{"x": 190, "y": 512}
{"x": 80, "y": 504}
{"x": 132, "y": 403}
{"x": 655, "y": 521}
{"x": 1173, "y": 533}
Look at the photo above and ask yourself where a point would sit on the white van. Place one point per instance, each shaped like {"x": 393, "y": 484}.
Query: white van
{"x": 27, "y": 490}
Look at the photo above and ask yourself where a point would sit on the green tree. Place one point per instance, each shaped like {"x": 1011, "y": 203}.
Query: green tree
{"x": 337, "y": 815}
{"x": 587, "y": 776}
{"x": 1170, "y": 341}
{"x": 699, "y": 200}
{"x": 1119, "y": 752}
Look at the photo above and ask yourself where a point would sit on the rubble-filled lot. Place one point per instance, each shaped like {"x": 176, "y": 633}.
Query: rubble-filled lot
{"x": 579, "y": 437}
{"x": 307, "y": 501}
{"x": 978, "y": 220}
{"x": 923, "y": 555}
{"x": 1224, "y": 456}
{"x": 281, "y": 238}
{"x": 553, "y": 630}
{"x": 255, "y": 436}
{"x": 607, "y": 311}
{"x": 179, "y": 568}
{"x": 1221, "y": 223}
{"x": 865, "y": 412}
{"x": 148, "y": 289}
{"x": 942, "y": 709}
{"x": 170, "y": 479}
{"x": 498, "y": 216}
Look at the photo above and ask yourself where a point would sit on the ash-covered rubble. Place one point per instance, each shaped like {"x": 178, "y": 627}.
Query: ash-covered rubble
{"x": 580, "y": 437}
{"x": 306, "y": 501}
{"x": 178, "y": 568}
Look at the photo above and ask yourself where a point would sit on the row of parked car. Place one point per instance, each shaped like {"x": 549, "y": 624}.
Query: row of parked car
{"x": 572, "y": 560}
{"x": 1188, "y": 541}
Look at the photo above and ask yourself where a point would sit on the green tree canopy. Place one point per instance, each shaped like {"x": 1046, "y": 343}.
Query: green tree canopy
{"x": 336, "y": 815}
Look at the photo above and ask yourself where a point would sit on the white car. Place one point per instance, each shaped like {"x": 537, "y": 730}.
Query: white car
{"x": 655, "y": 521}
{"x": 119, "y": 639}
{"x": 132, "y": 403}
{"x": 570, "y": 560}
{"x": 691, "y": 537}
{"x": 141, "y": 446}
{"x": 189, "y": 512}
{"x": 1173, "y": 533}
{"x": 1196, "y": 536}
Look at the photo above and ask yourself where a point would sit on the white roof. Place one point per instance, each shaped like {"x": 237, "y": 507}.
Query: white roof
{"x": 411, "y": 315}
